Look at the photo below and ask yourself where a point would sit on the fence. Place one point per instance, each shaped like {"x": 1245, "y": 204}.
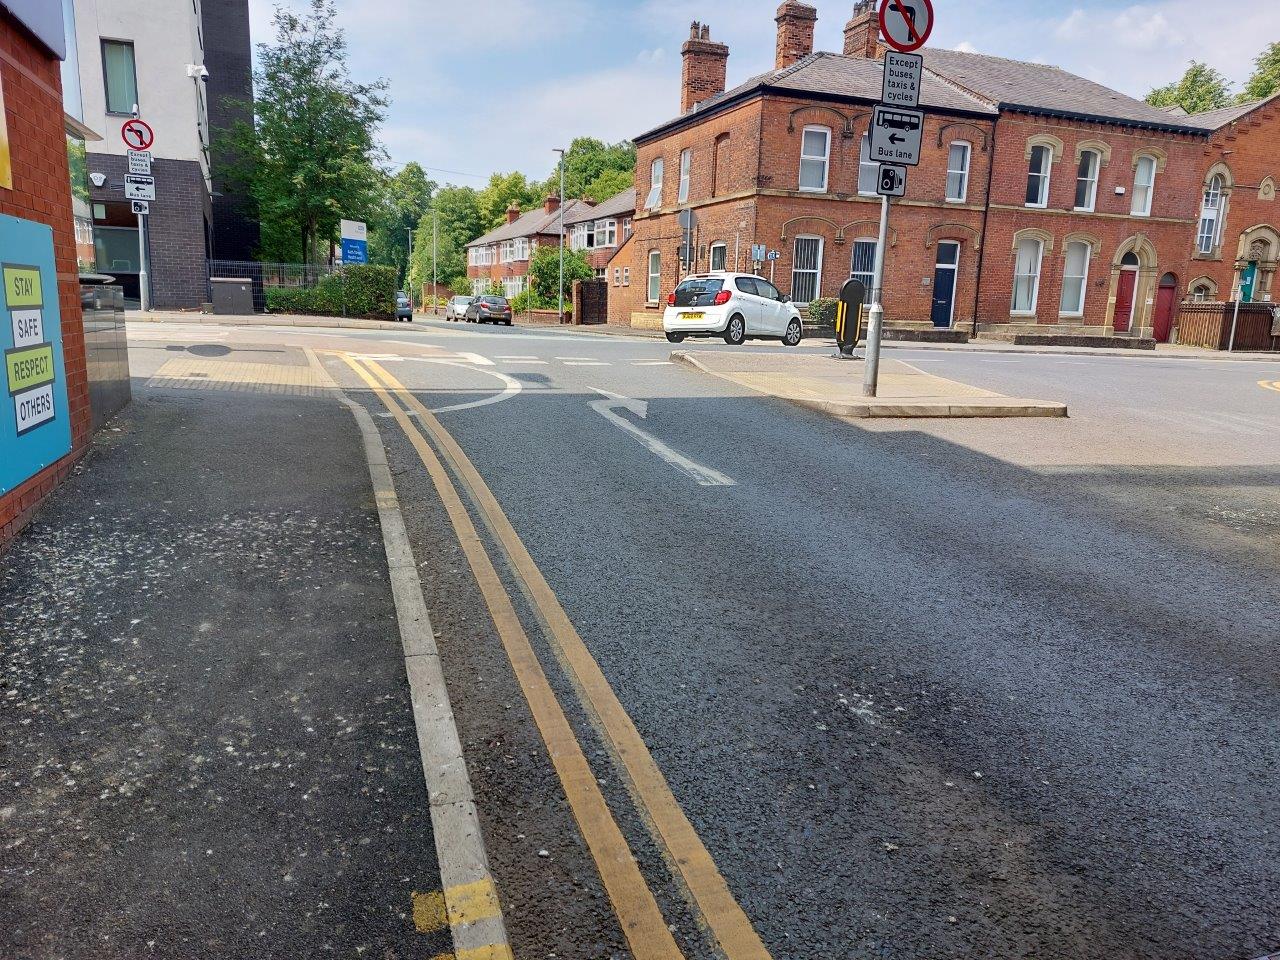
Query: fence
{"x": 1209, "y": 325}
{"x": 266, "y": 276}
{"x": 590, "y": 301}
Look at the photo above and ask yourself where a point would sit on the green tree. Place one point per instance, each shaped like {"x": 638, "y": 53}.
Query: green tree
{"x": 310, "y": 157}
{"x": 610, "y": 183}
{"x": 405, "y": 199}
{"x": 544, "y": 273}
{"x": 1266, "y": 75}
{"x": 589, "y": 160}
{"x": 503, "y": 190}
{"x": 458, "y": 212}
{"x": 1201, "y": 88}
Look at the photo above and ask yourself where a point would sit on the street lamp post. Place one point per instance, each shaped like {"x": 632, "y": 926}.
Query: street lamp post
{"x": 435, "y": 259}
{"x": 560, "y": 151}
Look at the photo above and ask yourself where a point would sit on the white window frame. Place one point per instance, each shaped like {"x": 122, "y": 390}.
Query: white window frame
{"x": 868, "y": 276}
{"x": 867, "y": 168}
{"x": 1200, "y": 293}
{"x": 962, "y": 172}
{"x": 654, "y": 200}
{"x": 606, "y": 233}
{"x": 686, "y": 172}
{"x": 1095, "y": 167}
{"x": 1035, "y": 276}
{"x": 723, "y": 250}
{"x": 817, "y": 280}
{"x": 626, "y": 276}
{"x": 1210, "y": 215}
{"x": 1148, "y": 187}
{"x": 1045, "y": 178}
{"x": 1076, "y": 310}
{"x": 520, "y": 248}
{"x": 823, "y": 159}
{"x": 653, "y": 292}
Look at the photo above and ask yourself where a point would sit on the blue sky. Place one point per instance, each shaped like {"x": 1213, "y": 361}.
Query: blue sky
{"x": 491, "y": 85}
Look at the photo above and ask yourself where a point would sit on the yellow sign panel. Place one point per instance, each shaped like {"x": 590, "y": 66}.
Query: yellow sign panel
{"x": 6, "y": 167}
{"x": 32, "y": 367}
{"x": 22, "y": 287}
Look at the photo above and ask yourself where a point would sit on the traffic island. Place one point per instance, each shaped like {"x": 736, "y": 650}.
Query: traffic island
{"x": 835, "y": 387}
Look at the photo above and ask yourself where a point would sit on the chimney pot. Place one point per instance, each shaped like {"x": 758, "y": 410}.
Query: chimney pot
{"x": 796, "y": 22}
{"x": 862, "y": 33}
{"x": 704, "y": 69}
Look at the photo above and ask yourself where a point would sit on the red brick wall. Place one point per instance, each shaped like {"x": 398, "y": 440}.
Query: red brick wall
{"x": 42, "y": 193}
{"x": 704, "y": 67}
{"x": 796, "y": 22}
{"x": 1163, "y": 240}
{"x": 1248, "y": 150}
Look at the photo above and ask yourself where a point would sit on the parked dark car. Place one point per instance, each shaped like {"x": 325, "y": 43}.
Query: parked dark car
{"x": 404, "y": 306}
{"x": 489, "y": 310}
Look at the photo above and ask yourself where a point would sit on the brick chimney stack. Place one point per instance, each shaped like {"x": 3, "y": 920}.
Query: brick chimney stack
{"x": 551, "y": 204}
{"x": 513, "y": 213}
{"x": 796, "y": 22}
{"x": 705, "y": 65}
{"x": 862, "y": 33}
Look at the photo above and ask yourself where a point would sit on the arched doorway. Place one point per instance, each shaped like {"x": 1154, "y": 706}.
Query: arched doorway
{"x": 1125, "y": 289}
{"x": 1166, "y": 303}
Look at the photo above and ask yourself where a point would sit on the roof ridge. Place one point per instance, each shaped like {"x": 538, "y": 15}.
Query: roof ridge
{"x": 1025, "y": 63}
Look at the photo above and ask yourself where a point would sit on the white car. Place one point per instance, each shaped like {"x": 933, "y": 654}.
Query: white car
{"x": 456, "y": 308}
{"x": 736, "y": 306}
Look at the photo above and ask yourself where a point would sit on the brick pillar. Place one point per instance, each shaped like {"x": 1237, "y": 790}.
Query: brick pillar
{"x": 796, "y": 22}
{"x": 862, "y": 33}
{"x": 705, "y": 65}
{"x": 577, "y": 303}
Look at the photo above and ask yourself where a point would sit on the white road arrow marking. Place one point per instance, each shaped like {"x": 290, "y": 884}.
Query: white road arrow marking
{"x": 704, "y": 476}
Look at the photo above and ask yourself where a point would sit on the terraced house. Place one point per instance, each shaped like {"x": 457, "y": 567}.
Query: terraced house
{"x": 498, "y": 261}
{"x": 1044, "y": 202}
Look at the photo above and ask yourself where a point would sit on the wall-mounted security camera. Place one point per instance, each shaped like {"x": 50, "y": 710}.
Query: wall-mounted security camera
{"x": 198, "y": 71}
{"x": 98, "y": 179}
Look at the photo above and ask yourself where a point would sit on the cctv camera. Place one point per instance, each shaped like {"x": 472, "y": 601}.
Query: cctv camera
{"x": 98, "y": 179}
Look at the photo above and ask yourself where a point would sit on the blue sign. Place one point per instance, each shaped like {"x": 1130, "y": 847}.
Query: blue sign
{"x": 35, "y": 421}
{"x": 355, "y": 251}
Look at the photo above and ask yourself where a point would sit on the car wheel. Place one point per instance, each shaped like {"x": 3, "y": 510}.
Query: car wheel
{"x": 508, "y": 323}
{"x": 675, "y": 338}
{"x": 736, "y": 331}
{"x": 794, "y": 332}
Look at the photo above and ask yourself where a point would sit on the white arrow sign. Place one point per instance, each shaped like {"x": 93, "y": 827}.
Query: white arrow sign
{"x": 704, "y": 476}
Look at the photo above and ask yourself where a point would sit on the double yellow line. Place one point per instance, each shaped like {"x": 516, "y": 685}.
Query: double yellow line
{"x": 637, "y": 910}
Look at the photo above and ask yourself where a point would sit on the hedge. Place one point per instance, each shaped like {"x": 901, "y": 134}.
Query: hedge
{"x": 365, "y": 290}
{"x": 823, "y": 311}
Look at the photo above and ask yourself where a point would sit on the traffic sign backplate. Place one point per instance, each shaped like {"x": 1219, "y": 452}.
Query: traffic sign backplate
{"x": 895, "y": 135}
{"x": 137, "y": 135}
{"x": 905, "y": 25}
{"x": 141, "y": 208}
{"x": 140, "y": 163}
{"x": 903, "y": 76}
{"x": 139, "y": 188}
{"x": 892, "y": 181}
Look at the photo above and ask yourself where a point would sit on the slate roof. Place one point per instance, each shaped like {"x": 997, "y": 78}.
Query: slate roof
{"x": 1039, "y": 88}
{"x": 618, "y": 204}
{"x": 531, "y": 224}
{"x": 1217, "y": 119}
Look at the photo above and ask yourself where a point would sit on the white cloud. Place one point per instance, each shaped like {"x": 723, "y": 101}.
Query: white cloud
{"x": 964, "y": 46}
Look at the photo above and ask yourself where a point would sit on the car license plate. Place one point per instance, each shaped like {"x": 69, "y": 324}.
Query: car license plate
{"x": 692, "y": 316}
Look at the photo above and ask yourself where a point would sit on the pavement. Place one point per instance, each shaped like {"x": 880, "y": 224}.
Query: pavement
{"x": 835, "y": 387}
{"x": 783, "y": 684}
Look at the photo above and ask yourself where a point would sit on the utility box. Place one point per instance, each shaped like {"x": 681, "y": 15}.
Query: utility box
{"x": 232, "y": 295}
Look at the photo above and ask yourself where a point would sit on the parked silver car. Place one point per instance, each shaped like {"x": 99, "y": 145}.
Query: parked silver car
{"x": 456, "y": 308}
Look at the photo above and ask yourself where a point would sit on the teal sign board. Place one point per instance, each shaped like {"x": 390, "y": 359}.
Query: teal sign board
{"x": 35, "y": 421}
{"x": 1247, "y": 278}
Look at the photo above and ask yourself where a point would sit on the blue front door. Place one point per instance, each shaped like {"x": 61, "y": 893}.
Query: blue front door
{"x": 944, "y": 282}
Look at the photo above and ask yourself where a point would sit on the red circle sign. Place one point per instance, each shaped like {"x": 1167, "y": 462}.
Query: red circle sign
{"x": 137, "y": 135}
{"x": 905, "y": 25}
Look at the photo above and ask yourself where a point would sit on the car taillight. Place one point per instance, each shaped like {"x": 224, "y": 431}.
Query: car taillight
{"x": 723, "y": 297}
{"x": 671, "y": 300}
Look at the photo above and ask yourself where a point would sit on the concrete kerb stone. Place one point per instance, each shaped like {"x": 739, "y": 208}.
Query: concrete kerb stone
{"x": 263, "y": 320}
{"x": 460, "y": 849}
{"x": 994, "y": 407}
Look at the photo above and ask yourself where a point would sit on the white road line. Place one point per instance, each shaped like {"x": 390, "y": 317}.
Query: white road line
{"x": 704, "y": 476}
{"x": 575, "y": 358}
{"x": 653, "y": 363}
{"x": 526, "y": 363}
{"x": 586, "y": 363}
{"x": 515, "y": 358}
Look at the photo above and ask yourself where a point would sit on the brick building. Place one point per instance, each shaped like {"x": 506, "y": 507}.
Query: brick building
{"x": 602, "y": 230}
{"x": 37, "y": 189}
{"x": 498, "y": 261}
{"x": 1044, "y": 202}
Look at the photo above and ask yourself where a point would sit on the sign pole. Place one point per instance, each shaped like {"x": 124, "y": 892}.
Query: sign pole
{"x": 144, "y": 283}
{"x": 1235, "y": 317}
{"x": 875, "y": 319}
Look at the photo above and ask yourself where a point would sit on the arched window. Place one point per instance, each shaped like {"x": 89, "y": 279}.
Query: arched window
{"x": 654, "y": 200}
{"x": 958, "y": 171}
{"x": 1144, "y": 185}
{"x": 1210, "y": 231}
{"x": 720, "y": 160}
{"x": 815, "y": 156}
{"x": 1038, "y": 170}
{"x": 1087, "y": 180}
{"x": 1075, "y": 278}
{"x": 1130, "y": 260}
{"x": 1201, "y": 293}
{"x": 1026, "y": 275}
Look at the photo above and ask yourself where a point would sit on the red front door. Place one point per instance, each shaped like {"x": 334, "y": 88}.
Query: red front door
{"x": 1124, "y": 300}
{"x": 1166, "y": 300}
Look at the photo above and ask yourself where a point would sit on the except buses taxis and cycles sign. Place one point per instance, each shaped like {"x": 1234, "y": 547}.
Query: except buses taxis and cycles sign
{"x": 35, "y": 426}
{"x": 903, "y": 75}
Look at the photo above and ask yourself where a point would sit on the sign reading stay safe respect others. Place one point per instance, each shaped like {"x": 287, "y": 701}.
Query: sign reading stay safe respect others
{"x": 35, "y": 425}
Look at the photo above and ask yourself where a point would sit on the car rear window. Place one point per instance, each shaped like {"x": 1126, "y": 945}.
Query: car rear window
{"x": 698, "y": 292}
{"x": 495, "y": 301}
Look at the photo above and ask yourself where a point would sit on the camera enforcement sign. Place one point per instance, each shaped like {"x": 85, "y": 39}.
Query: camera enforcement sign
{"x": 35, "y": 427}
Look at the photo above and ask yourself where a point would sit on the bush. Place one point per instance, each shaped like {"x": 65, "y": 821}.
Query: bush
{"x": 823, "y": 311}
{"x": 525, "y": 301}
{"x": 364, "y": 290}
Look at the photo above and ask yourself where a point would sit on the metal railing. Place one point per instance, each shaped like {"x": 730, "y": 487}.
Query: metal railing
{"x": 266, "y": 276}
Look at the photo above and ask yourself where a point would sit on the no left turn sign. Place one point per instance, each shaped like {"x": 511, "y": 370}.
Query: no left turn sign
{"x": 137, "y": 135}
{"x": 906, "y": 24}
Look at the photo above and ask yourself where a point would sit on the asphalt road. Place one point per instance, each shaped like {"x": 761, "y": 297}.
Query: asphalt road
{"x": 934, "y": 689}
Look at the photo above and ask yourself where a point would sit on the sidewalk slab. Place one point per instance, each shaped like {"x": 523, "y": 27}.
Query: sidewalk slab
{"x": 260, "y": 320}
{"x": 835, "y": 387}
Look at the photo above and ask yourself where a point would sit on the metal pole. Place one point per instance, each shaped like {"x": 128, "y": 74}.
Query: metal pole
{"x": 1235, "y": 317}
{"x": 875, "y": 319}
{"x": 144, "y": 282}
{"x": 435, "y": 259}
{"x": 561, "y": 152}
